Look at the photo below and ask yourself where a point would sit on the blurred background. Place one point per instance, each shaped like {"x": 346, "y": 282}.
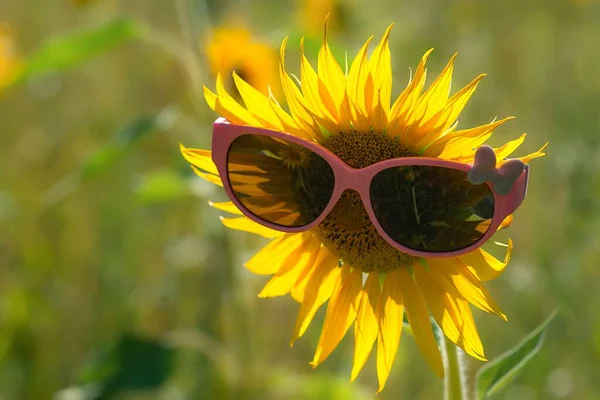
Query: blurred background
{"x": 116, "y": 277}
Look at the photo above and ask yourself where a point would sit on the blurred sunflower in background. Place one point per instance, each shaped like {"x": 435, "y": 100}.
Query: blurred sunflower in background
{"x": 344, "y": 261}
{"x": 9, "y": 59}
{"x": 234, "y": 49}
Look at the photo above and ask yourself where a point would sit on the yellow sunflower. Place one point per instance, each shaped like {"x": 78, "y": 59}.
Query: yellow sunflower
{"x": 343, "y": 261}
{"x": 236, "y": 50}
{"x": 9, "y": 60}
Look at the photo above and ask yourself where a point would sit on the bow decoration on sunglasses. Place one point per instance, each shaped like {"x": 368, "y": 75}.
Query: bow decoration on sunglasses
{"x": 484, "y": 170}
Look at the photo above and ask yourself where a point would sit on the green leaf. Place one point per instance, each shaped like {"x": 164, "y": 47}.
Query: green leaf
{"x": 132, "y": 363}
{"x": 497, "y": 373}
{"x": 67, "y": 50}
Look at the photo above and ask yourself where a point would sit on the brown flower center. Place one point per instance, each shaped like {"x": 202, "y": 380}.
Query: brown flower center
{"x": 348, "y": 230}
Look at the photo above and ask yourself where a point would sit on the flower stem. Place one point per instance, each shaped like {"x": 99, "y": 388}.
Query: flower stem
{"x": 453, "y": 383}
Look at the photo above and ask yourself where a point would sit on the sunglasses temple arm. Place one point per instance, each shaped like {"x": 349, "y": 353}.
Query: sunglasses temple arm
{"x": 520, "y": 191}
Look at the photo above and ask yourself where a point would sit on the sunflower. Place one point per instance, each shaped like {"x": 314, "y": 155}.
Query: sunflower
{"x": 344, "y": 262}
{"x": 236, "y": 50}
{"x": 9, "y": 60}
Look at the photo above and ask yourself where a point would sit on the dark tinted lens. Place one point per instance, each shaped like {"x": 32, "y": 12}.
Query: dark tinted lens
{"x": 431, "y": 208}
{"x": 278, "y": 181}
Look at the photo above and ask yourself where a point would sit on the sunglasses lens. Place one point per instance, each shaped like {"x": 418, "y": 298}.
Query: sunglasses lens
{"x": 431, "y": 209}
{"x": 278, "y": 181}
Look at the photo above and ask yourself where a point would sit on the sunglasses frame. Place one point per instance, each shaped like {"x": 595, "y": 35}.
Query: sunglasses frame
{"x": 346, "y": 177}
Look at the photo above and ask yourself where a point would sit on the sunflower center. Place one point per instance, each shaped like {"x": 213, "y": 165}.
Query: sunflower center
{"x": 348, "y": 230}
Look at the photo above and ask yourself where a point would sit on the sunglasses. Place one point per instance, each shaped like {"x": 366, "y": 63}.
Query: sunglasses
{"x": 425, "y": 207}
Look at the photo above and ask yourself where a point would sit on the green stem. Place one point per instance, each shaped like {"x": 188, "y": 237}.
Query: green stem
{"x": 453, "y": 383}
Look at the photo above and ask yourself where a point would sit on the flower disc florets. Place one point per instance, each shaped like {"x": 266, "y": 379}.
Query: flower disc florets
{"x": 348, "y": 229}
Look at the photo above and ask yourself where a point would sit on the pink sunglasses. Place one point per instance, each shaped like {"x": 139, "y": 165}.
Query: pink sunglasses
{"x": 422, "y": 206}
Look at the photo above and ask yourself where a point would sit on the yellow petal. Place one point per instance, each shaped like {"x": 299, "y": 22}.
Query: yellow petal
{"x": 459, "y": 100}
{"x": 289, "y": 123}
{"x": 295, "y": 100}
{"x": 420, "y": 323}
{"x": 452, "y": 271}
{"x": 440, "y": 124}
{"x": 271, "y": 258}
{"x": 199, "y": 158}
{"x": 228, "y": 107}
{"x": 341, "y": 313}
{"x": 450, "y": 313}
{"x": 540, "y": 153}
{"x": 258, "y": 104}
{"x": 293, "y": 266}
{"x": 355, "y": 87}
{"x": 226, "y": 206}
{"x": 433, "y": 100}
{"x": 461, "y": 145}
{"x": 321, "y": 284}
{"x": 210, "y": 97}
{"x": 331, "y": 77}
{"x": 208, "y": 177}
{"x": 508, "y": 148}
{"x": 299, "y": 289}
{"x": 380, "y": 66}
{"x": 506, "y": 222}
{"x": 247, "y": 225}
{"x": 366, "y": 327}
{"x": 310, "y": 88}
{"x": 485, "y": 266}
{"x": 389, "y": 314}
{"x": 407, "y": 100}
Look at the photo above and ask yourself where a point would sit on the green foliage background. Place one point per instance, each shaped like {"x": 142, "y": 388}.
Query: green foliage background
{"x": 107, "y": 241}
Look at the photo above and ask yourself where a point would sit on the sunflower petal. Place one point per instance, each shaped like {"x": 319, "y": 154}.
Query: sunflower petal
{"x": 210, "y": 97}
{"x": 199, "y": 158}
{"x": 459, "y": 100}
{"x": 271, "y": 258}
{"x": 407, "y": 100}
{"x": 295, "y": 100}
{"x": 341, "y": 313}
{"x": 433, "y": 100}
{"x": 226, "y": 206}
{"x": 208, "y": 177}
{"x": 506, "y": 222}
{"x": 247, "y": 225}
{"x": 319, "y": 288}
{"x": 258, "y": 104}
{"x": 485, "y": 266}
{"x": 452, "y": 271}
{"x": 355, "y": 86}
{"x": 540, "y": 153}
{"x": 508, "y": 148}
{"x": 443, "y": 122}
{"x": 366, "y": 328}
{"x": 295, "y": 263}
{"x": 331, "y": 77}
{"x": 418, "y": 318}
{"x": 460, "y": 145}
{"x": 380, "y": 67}
{"x": 299, "y": 289}
{"x": 389, "y": 314}
{"x": 231, "y": 109}
{"x": 450, "y": 313}
{"x": 314, "y": 94}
